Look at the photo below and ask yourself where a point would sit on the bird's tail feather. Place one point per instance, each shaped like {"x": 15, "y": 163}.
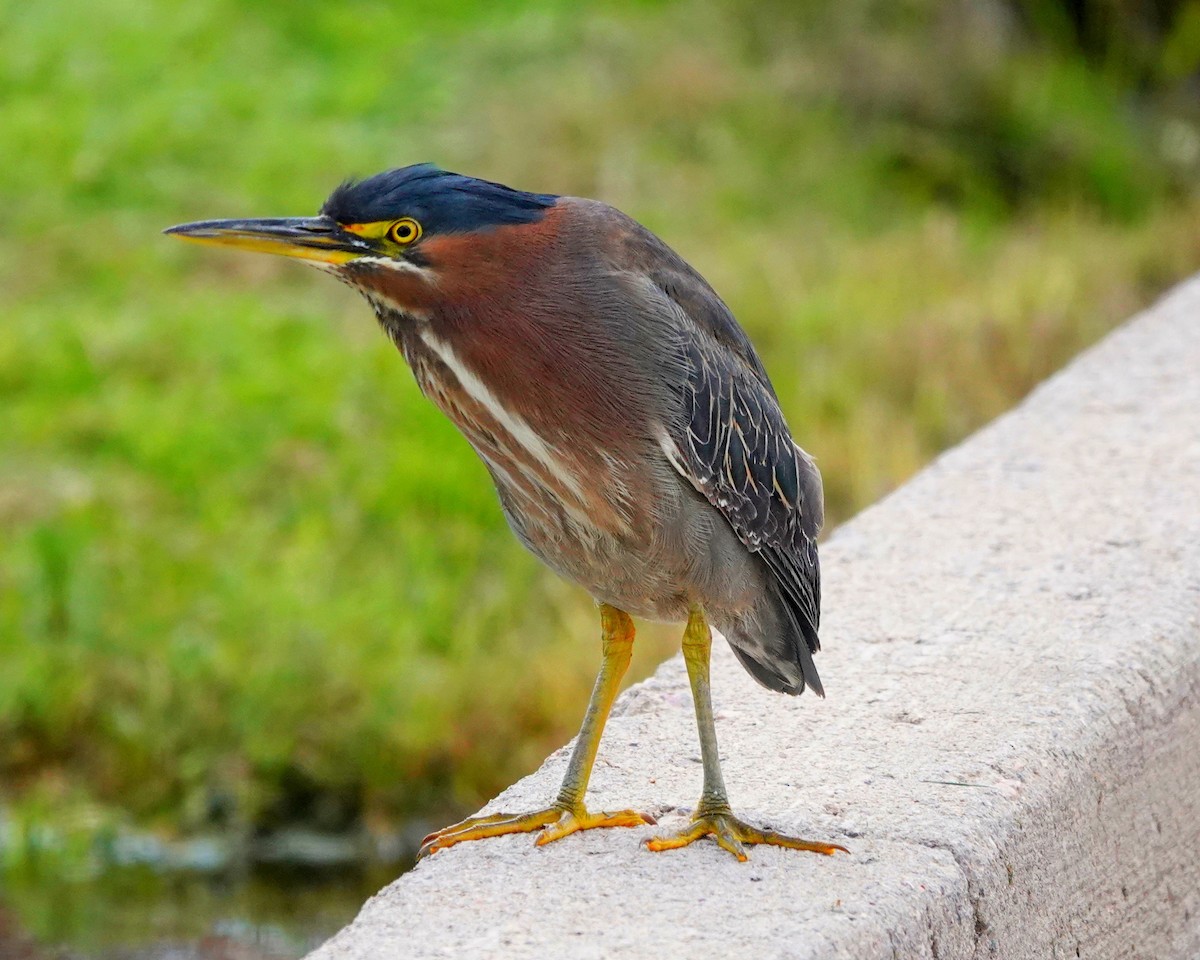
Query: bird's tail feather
{"x": 776, "y": 648}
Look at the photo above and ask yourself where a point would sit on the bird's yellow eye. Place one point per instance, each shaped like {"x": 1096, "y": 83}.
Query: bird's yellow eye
{"x": 405, "y": 231}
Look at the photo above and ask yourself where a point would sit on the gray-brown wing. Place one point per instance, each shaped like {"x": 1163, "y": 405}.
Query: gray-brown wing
{"x": 732, "y": 442}
{"x": 736, "y": 449}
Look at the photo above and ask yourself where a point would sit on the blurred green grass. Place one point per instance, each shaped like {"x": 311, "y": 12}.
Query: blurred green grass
{"x": 239, "y": 552}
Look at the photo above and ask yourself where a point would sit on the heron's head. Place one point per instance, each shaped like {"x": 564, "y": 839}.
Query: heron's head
{"x": 400, "y": 234}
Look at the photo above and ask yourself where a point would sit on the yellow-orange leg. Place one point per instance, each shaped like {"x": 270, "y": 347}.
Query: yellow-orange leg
{"x": 566, "y": 814}
{"x": 713, "y": 815}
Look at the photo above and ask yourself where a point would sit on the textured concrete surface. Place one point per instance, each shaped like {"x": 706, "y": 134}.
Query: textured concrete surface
{"x": 1010, "y": 748}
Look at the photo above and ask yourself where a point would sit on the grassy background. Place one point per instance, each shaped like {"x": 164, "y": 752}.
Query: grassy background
{"x": 248, "y": 576}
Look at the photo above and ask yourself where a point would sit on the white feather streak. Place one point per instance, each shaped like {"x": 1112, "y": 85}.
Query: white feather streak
{"x": 515, "y": 425}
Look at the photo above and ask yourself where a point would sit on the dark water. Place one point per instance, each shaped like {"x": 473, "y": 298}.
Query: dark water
{"x": 140, "y": 913}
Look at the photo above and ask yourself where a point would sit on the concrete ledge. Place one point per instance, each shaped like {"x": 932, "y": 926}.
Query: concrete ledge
{"x": 1010, "y": 748}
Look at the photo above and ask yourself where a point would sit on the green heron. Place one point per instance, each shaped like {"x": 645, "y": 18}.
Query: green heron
{"x": 634, "y": 438}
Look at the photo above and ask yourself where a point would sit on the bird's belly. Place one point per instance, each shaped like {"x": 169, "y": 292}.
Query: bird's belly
{"x": 677, "y": 551}
{"x": 628, "y": 572}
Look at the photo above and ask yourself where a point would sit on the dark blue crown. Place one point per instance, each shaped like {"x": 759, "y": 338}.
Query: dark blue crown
{"x": 441, "y": 202}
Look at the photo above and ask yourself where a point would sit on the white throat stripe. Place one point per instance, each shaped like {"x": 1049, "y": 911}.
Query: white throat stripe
{"x": 516, "y": 426}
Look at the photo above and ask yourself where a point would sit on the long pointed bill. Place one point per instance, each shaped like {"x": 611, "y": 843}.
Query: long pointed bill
{"x": 307, "y": 238}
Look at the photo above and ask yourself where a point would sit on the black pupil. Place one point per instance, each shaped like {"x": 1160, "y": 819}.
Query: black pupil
{"x": 404, "y": 231}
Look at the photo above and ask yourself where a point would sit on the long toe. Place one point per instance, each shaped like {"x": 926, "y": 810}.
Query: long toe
{"x": 480, "y": 828}
{"x": 572, "y": 821}
{"x": 467, "y": 824}
{"x": 557, "y": 821}
{"x": 731, "y": 833}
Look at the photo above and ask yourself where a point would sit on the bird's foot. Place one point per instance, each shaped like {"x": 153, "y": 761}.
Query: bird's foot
{"x": 731, "y": 833}
{"x": 556, "y": 821}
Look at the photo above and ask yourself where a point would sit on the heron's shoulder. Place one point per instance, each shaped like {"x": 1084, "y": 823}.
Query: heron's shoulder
{"x": 629, "y": 250}
{"x": 601, "y": 220}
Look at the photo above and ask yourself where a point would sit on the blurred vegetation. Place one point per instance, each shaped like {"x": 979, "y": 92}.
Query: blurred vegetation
{"x": 248, "y": 576}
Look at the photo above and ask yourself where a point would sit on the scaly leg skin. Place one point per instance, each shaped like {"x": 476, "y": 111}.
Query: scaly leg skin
{"x": 713, "y": 815}
{"x": 567, "y": 814}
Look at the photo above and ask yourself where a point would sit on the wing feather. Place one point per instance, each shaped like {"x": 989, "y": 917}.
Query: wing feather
{"x": 738, "y": 452}
{"x": 732, "y": 442}
{"x": 735, "y": 447}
